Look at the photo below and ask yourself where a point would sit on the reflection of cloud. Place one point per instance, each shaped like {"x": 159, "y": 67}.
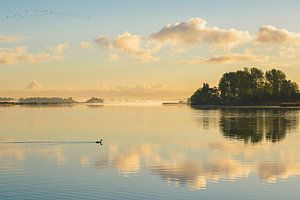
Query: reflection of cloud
{"x": 22, "y": 152}
{"x": 196, "y": 174}
{"x": 84, "y": 160}
{"x": 273, "y": 171}
{"x": 128, "y": 163}
{"x": 14, "y": 151}
{"x": 220, "y": 160}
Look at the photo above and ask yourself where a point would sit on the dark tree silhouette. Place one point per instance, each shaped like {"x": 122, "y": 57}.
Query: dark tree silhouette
{"x": 248, "y": 87}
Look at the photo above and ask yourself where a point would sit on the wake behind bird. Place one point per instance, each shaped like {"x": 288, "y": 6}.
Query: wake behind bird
{"x": 52, "y": 142}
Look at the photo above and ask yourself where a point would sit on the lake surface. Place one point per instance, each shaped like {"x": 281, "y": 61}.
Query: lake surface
{"x": 149, "y": 152}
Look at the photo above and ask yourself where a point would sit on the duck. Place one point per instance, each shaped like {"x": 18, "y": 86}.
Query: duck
{"x": 99, "y": 142}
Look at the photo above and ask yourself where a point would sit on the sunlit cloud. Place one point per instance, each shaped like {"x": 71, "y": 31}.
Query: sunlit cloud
{"x": 227, "y": 59}
{"x": 10, "y": 38}
{"x": 271, "y": 34}
{"x": 102, "y": 41}
{"x": 128, "y": 44}
{"x": 20, "y": 55}
{"x": 195, "y": 32}
{"x": 59, "y": 48}
{"x": 182, "y": 37}
{"x": 112, "y": 56}
{"x": 85, "y": 45}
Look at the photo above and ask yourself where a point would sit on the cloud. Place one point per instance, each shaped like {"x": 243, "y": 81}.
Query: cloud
{"x": 102, "y": 41}
{"x": 85, "y": 45}
{"x": 271, "y": 34}
{"x": 112, "y": 57}
{"x": 195, "y": 31}
{"x": 59, "y": 49}
{"x": 128, "y": 44}
{"x": 34, "y": 85}
{"x": 103, "y": 87}
{"x": 227, "y": 59}
{"x": 20, "y": 55}
{"x": 9, "y": 38}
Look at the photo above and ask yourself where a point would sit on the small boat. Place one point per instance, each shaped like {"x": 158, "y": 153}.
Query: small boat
{"x": 175, "y": 103}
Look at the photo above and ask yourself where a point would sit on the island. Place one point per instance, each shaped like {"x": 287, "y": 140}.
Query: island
{"x": 4, "y": 101}
{"x": 249, "y": 87}
{"x": 95, "y": 100}
{"x": 46, "y": 100}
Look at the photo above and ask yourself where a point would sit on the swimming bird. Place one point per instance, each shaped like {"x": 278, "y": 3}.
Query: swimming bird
{"x": 99, "y": 142}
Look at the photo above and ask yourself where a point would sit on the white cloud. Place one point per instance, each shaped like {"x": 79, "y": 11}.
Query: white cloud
{"x": 128, "y": 44}
{"x": 59, "y": 48}
{"x": 34, "y": 85}
{"x": 20, "y": 55}
{"x": 195, "y": 31}
{"x": 9, "y": 38}
{"x": 112, "y": 57}
{"x": 228, "y": 59}
{"x": 85, "y": 45}
{"x": 271, "y": 34}
{"x": 102, "y": 41}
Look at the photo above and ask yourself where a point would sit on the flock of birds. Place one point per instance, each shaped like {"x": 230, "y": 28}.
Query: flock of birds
{"x": 44, "y": 13}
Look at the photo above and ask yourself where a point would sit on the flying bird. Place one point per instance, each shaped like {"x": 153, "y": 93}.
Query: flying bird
{"x": 27, "y": 13}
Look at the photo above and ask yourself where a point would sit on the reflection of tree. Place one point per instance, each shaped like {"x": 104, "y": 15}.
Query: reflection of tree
{"x": 206, "y": 117}
{"x": 252, "y": 125}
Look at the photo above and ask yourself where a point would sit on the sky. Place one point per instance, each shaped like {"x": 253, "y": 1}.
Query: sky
{"x": 138, "y": 48}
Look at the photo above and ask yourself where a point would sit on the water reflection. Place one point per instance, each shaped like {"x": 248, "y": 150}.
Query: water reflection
{"x": 254, "y": 125}
{"x": 184, "y": 166}
{"x": 190, "y": 155}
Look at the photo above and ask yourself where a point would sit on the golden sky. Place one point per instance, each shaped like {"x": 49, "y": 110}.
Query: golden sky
{"x": 134, "y": 49}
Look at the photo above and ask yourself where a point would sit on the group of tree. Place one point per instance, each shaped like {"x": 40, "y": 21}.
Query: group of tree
{"x": 248, "y": 87}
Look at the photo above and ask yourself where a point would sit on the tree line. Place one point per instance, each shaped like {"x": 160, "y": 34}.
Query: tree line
{"x": 248, "y": 87}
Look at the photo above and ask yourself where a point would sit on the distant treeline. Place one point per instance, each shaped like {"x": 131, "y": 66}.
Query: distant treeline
{"x": 46, "y": 100}
{"x": 248, "y": 87}
{"x": 6, "y": 99}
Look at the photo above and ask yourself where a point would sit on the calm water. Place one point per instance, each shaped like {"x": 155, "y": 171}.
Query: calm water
{"x": 149, "y": 152}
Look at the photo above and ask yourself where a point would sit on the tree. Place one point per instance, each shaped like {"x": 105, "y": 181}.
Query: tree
{"x": 227, "y": 87}
{"x": 249, "y": 87}
{"x": 242, "y": 86}
{"x": 288, "y": 89}
{"x": 274, "y": 79}
{"x": 206, "y": 96}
